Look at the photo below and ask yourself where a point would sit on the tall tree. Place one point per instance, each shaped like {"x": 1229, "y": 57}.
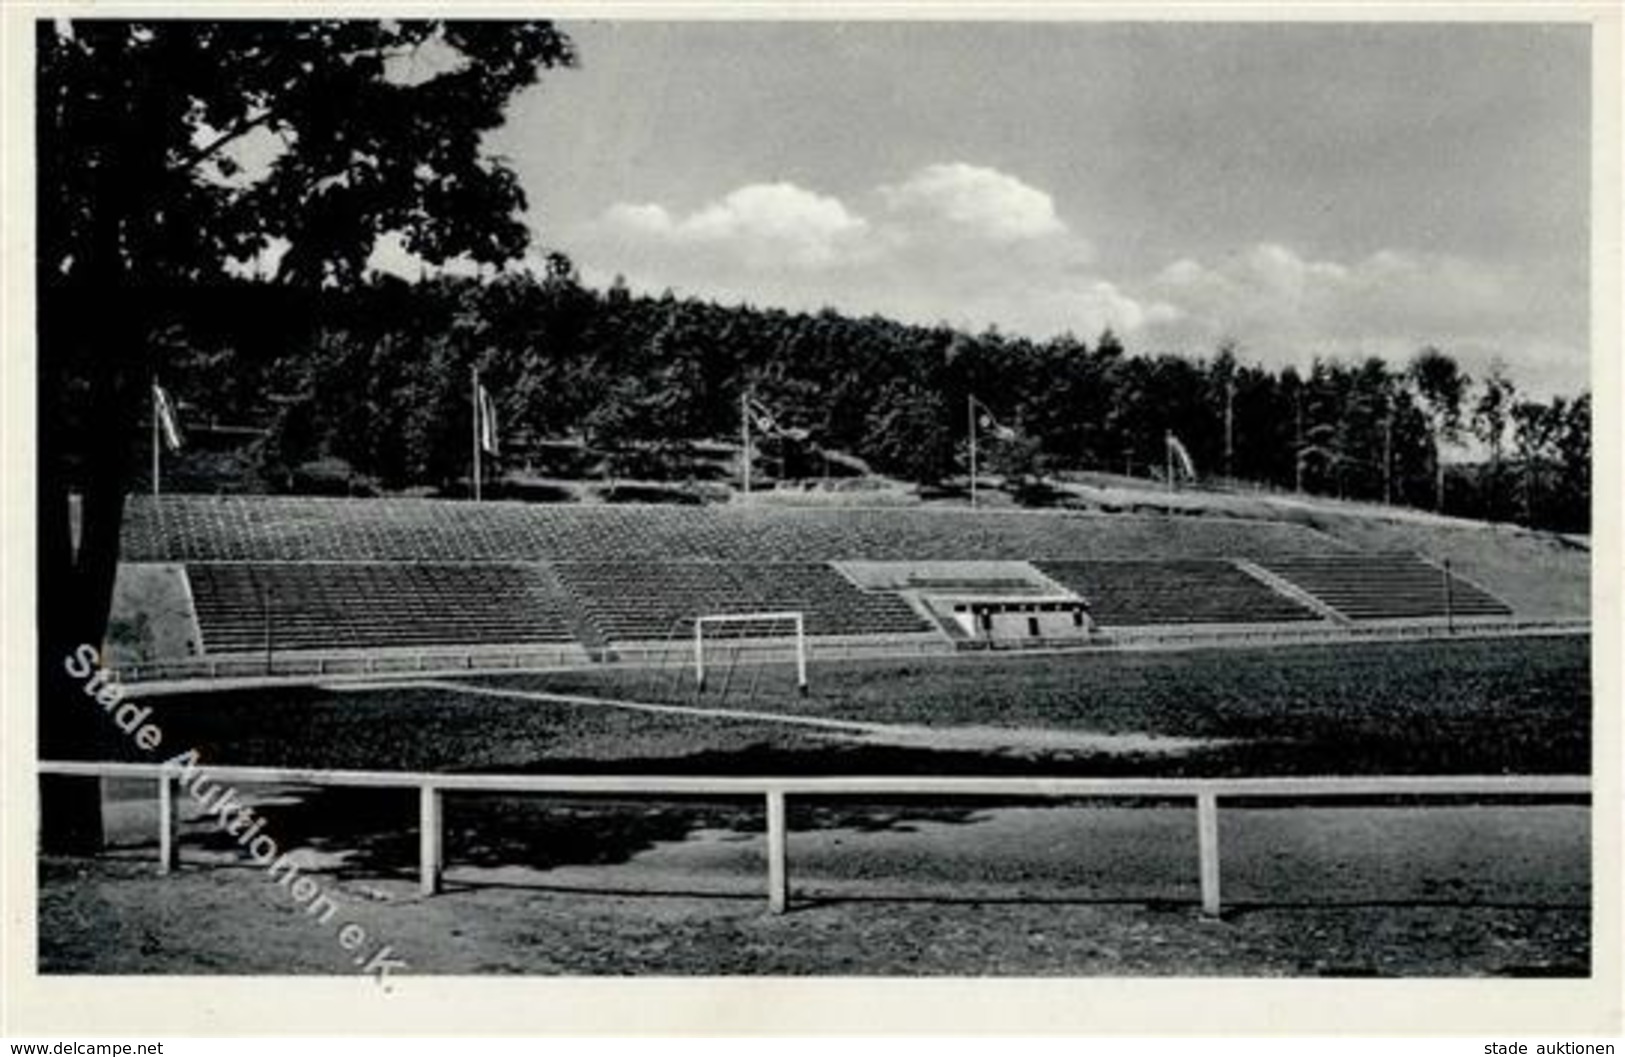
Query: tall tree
{"x": 169, "y": 151}
{"x": 1492, "y": 417}
{"x": 1535, "y": 435}
{"x": 1574, "y": 466}
{"x": 1440, "y": 388}
{"x": 911, "y": 433}
{"x": 1222, "y": 383}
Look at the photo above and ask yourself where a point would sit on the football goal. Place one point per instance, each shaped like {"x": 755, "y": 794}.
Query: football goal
{"x": 758, "y": 632}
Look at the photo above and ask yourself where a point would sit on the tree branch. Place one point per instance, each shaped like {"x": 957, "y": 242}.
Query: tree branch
{"x": 240, "y": 129}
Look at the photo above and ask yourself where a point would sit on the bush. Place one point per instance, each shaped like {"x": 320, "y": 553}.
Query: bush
{"x": 529, "y": 490}
{"x": 650, "y": 493}
{"x": 330, "y": 476}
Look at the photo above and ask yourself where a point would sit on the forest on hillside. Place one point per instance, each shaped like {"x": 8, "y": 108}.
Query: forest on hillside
{"x": 369, "y": 385}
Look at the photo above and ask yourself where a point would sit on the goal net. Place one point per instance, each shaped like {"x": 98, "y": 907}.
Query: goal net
{"x": 722, "y": 640}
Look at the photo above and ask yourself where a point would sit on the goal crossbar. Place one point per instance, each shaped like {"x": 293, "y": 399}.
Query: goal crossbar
{"x": 795, "y": 618}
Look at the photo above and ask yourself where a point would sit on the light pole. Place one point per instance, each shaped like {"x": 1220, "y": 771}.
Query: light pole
{"x": 1388, "y": 458}
{"x": 744, "y": 442}
{"x": 970, "y": 415}
{"x": 265, "y": 602}
{"x": 1449, "y": 601}
{"x": 156, "y": 439}
{"x": 1229, "y": 428}
{"x": 1297, "y": 413}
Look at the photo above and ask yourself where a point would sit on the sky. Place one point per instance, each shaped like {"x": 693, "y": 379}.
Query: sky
{"x": 1336, "y": 190}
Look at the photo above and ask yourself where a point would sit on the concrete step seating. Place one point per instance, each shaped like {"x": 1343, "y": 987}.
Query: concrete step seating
{"x": 1143, "y": 593}
{"x": 302, "y": 528}
{"x": 645, "y": 600}
{"x": 1386, "y": 586}
{"x": 317, "y": 606}
{"x": 964, "y": 585}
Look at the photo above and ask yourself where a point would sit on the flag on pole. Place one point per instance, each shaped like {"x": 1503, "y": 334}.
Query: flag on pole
{"x": 767, "y": 424}
{"x": 762, "y": 418}
{"x": 987, "y": 422}
{"x": 1180, "y": 459}
{"x": 164, "y": 411}
{"x": 487, "y": 421}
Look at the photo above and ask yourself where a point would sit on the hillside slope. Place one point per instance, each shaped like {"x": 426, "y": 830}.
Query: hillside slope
{"x": 1539, "y": 574}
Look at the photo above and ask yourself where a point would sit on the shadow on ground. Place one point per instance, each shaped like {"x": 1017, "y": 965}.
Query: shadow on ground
{"x": 373, "y": 832}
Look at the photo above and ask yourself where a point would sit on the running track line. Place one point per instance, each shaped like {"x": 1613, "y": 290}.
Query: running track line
{"x": 907, "y": 734}
{"x": 844, "y": 726}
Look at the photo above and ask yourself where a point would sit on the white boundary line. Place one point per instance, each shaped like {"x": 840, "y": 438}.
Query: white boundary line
{"x": 846, "y": 726}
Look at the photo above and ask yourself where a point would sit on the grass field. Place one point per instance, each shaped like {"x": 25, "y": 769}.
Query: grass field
{"x": 672, "y": 886}
{"x": 1489, "y": 706}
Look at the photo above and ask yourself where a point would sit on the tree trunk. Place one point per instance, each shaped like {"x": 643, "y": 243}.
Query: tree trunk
{"x": 1438, "y": 476}
{"x": 1492, "y": 488}
{"x": 86, "y": 453}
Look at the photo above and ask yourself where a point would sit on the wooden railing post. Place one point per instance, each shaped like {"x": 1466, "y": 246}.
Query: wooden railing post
{"x": 430, "y": 849}
{"x": 432, "y": 788}
{"x": 168, "y": 824}
{"x": 1207, "y": 838}
{"x": 778, "y": 878}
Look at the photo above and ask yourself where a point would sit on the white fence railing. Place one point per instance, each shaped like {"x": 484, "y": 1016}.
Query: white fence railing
{"x": 1205, "y": 793}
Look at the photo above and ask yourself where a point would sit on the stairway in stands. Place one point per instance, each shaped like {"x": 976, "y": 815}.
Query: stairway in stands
{"x": 1386, "y": 586}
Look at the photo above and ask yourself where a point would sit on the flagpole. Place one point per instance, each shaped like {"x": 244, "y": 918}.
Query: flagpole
{"x": 1229, "y": 428}
{"x": 1168, "y": 455}
{"x": 152, "y": 395}
{"x": 744, "y": 435}
{"x": 970, "y": 415}
{"x": 1388, "y": 457}
{"x": 1297, "y": 443}
{"x": 474, "y": 394}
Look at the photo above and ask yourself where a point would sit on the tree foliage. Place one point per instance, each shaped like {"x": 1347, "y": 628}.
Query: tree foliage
{"x": 651, "y": 379}
{"x": 171, "y": 153}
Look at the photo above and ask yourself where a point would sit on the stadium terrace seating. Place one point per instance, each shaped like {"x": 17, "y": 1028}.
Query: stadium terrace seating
{"x": 1376, "y": 586}
{"x": 283, "y": 528}
{"x": 317, "y": 606}
{"x": 370, "y": 574}
{"x": 644, "y": 600}
{"x": 1142, "y": 593}
{"x": 966, "y": 585}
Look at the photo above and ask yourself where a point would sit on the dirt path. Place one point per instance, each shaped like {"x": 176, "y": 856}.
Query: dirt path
{"x": 1462, "y": 891}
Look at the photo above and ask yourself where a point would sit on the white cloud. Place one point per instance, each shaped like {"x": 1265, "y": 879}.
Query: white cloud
{"x": 648, "y": 218}
{"x": 983, "y": 202}
{"x": 1286, "y": 308}
{"x": 765, "y": 225}
{"x": 1104, "y": 305}
{"x": 946, "y": 211}
{"x": 1270, "y": 291}
{"x": 974, "y": 247}
{"x": 954, "y": 242}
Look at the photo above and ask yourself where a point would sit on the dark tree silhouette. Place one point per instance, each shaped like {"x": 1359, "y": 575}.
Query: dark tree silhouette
{"x": 1440, "y": 387}
{"x": 1491, "y": 418}
{"x": 168, "y": 150}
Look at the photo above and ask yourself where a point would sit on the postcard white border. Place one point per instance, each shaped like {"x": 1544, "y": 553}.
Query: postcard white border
{"x": 215, "y": 1006}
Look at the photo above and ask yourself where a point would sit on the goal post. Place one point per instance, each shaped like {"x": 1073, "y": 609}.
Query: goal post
{"x": 795, "y": 620}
